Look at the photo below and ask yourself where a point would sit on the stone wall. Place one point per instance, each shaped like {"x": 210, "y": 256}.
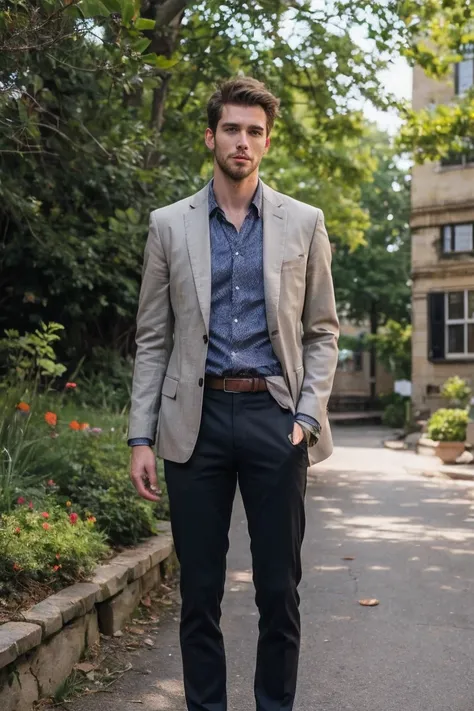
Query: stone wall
{"x": 39, "y": 653}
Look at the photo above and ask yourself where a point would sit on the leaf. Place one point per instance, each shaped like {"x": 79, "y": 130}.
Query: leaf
{"x": 144, "y": 24}
{"x": 128, "y": 12}
{"x": 141, "y": 45}
{"x": 372, "y": 602}
{"x": 159, "y": 61}
{"x": 93, "y": 8}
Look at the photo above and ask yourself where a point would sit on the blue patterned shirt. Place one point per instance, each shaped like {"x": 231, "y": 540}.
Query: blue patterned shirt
{"x": 239, "y": 343}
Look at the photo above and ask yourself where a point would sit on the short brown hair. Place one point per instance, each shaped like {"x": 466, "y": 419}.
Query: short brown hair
{"x": 243, "y": 91}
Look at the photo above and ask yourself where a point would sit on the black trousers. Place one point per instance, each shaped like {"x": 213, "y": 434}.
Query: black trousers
{"x": 243, "y": 437}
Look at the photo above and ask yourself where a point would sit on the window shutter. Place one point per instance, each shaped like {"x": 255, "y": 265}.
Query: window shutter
{"x": 436, "y": 320}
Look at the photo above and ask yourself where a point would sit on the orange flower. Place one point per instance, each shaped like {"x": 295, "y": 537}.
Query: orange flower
{"x": 70, "y": 386}
{"x": 85, "y": 426}
{"x": 68, "y": 503}
{"x": 56, "y": 567}
{"x": 51, "y": 419}
{"x": 16, "y": 566}
{"x": 57, "y": 556}
{"x": 23, "y": 407}
{"x": 74, "y": 425}
{"x": 46, "y": 526}
{"x": 91, "y": 519}
{"x": 45, "y": 514}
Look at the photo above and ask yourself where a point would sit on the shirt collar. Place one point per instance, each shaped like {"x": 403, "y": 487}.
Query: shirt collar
{"x": 257, "y": 200}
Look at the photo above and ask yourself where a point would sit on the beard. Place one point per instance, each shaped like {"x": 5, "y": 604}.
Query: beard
{"x": 234, "y": 171}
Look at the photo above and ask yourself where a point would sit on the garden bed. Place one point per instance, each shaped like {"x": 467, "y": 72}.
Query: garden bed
{"x": 39, "y": 652}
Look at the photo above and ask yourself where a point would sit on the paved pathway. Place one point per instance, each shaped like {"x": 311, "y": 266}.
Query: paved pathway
{"x": 411, "y": 540}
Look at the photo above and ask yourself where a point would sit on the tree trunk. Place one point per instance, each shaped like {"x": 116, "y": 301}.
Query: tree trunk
{"x": 373, "y": 351}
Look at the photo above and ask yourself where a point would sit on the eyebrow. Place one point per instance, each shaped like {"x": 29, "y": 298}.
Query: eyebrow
{"x": 254, "y": 127}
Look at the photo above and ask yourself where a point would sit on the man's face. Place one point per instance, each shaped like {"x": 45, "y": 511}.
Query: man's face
{"x": 240, "y": 141}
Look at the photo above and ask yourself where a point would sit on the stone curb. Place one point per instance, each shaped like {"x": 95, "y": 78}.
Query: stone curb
{"x": 49, "y": 616}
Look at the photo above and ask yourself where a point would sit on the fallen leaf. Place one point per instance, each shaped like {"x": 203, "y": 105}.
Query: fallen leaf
{"x": 369, "y": 603}
{"x": 149, "y": 642}
{"x": 135, "y": 630}
{"x": 84, "y": 667}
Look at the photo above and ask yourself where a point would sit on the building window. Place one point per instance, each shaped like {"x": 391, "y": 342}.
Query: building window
{"x": 463, "y": 157}
{"x": 459, "y": 331}
{"x": 464, "y": 71}
{"x": 458, "y": 238}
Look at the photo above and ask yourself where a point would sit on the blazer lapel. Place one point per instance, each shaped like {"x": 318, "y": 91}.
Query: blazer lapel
{"x": 196, "y": 222}
{"x": 274, "y": 238}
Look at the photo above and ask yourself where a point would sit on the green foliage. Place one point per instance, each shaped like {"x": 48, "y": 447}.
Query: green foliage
{"x": 48, "y": 546}
{"x": 97, "y": 482}
{"x": 105, "y": 381}
{"x": 32, "y": 356}
{"x": 394, "y": 415}
{"x": 456, "y": 391}
{"x": 372, "y": 282}
{"x": 448, "y": 425}
{"x": 393, "y": 347}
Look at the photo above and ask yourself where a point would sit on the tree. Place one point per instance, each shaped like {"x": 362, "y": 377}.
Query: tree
{"x": 372, "y": 282}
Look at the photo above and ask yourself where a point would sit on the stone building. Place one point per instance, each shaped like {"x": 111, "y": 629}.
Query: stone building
{"x": 442, "y": 224}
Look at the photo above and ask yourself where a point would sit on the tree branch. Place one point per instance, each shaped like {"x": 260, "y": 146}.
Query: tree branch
{"x": 169, "y": 10}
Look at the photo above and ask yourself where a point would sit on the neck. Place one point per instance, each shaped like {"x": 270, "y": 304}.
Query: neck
{"x": 234, "y": 195}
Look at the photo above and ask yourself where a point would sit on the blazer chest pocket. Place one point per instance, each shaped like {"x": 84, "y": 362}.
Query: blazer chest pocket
{"x": 293, "y": 276}
{"x": 170, "y": 387}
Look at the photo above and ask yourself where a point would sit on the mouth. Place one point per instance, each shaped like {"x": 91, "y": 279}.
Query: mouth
{"x": 243, "y": 158}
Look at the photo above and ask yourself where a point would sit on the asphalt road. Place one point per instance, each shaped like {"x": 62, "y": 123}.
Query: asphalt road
{"x": 411, "y": 541}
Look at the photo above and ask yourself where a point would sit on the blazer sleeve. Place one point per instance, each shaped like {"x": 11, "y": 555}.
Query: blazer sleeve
{"x": 154, "y": 338}
{"x": 320, "y": 327}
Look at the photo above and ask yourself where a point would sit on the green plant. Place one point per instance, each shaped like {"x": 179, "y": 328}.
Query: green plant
{"x": 394, "y": 415}
{"x": 456, "y": 391}
{"x": 393, "y": 346}
{"x": 31, "y": 357}
{"x": 97, "y": 482}
{"x": 53, "y": 546}
{"x": 448, "y": 425}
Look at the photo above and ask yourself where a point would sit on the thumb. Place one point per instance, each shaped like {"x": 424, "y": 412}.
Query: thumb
{"x": 151, "y": 474}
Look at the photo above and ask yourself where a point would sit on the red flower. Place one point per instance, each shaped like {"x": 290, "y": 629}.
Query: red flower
{"x": 16, "y": 566}
{"x": 30, "y": 505}
{"x": 51, "y": 483}
{"x": 71, "y": 386}
{"x": 85, "y": 426}
{"x": 45, "y": 514}
{"x": 51, "y": 419}
{"x": 73, "y": 518}
{"x": 17, "y": 529}
{"x": 23, "y": 407}
{"x": 74, "y": 425}
{"x": 56, "y": 567}
{"x": 57, "y": 556}
{"x": 46, "y": 526}
{"x": 20, "y": 500}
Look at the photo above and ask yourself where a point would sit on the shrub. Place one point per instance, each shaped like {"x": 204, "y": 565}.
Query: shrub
{"x": 98, "y": 482}
{"x": 456, "y": 391}
{"x": 394, "y": 415}
{"x": 447, "y": 425}
{"x": 50, "y": 546}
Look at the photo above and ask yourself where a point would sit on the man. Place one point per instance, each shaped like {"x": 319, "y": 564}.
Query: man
{"x": 236, "y": 353}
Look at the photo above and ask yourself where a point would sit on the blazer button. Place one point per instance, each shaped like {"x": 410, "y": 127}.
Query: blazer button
{"x": 201, "y": 382}
{"x": 205, "y": 339}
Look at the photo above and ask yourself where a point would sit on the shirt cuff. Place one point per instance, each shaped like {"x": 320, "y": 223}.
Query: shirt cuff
{"x": 310, "y": 426}
{"x": 137, "y": 441}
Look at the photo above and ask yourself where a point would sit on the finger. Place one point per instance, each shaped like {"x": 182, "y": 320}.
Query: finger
{"x": 138, "y": 480}
{"x": 298, "y": 433}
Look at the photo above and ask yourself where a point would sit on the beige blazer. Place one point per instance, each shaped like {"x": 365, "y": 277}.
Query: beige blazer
{"x": 173, "y": 319}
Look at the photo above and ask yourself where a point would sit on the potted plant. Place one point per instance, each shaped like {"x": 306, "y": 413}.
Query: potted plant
{"x": 447, "y": 429}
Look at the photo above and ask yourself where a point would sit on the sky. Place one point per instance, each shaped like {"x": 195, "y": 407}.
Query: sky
{"x": 399, "y": 80}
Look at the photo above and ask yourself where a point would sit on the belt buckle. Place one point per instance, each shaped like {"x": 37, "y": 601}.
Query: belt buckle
{"x": 230, "y": 391}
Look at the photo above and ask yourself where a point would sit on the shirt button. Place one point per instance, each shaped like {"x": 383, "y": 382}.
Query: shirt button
{"x": 201, "y": 382}
{"x": 237, "y": 288}
{"x": 236, "y": 320}
{"x": 205, "y": 339}
{"x": 236, "y": 254}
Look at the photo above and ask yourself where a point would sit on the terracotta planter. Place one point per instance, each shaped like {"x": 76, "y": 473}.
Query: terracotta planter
{"x": 448, "y": 452}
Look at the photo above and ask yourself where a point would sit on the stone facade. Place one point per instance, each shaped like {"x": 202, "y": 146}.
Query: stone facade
{"x": 442, "y": 195}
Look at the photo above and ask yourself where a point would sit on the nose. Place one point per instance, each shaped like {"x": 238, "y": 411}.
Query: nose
{"x": 242, "y": 143}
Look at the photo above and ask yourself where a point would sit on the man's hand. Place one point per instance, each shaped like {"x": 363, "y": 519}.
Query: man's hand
{"x": 143, "y": 471}
{"x": 298, "y": 434}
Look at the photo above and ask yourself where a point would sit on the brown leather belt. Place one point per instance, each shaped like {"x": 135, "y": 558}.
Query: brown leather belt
{"x": 236, "y": 385}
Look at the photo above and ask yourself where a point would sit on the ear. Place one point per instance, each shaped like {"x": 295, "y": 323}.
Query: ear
{"x": 209, "y": 139}
{"x": 268, "y": 141}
